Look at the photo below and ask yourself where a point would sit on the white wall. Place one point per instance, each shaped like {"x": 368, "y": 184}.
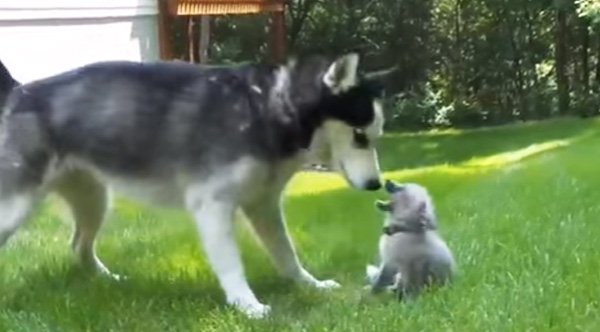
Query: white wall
{"x": 44, "y": 37}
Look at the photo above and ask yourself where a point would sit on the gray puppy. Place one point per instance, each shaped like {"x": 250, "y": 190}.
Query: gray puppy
{"x": 412, "y": 253}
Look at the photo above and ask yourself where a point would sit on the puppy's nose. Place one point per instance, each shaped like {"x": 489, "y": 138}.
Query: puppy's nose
{"x": 387, "y": 230}
{"x": 373, "y": 184}
{"x": 391, "y": 187}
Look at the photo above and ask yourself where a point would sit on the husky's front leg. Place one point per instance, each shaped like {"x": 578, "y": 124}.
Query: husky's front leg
{"x": 214, "y": 219}
{"x": 269, "y": 223}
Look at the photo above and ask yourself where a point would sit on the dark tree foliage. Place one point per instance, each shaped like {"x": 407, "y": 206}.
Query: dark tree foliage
{"x": 460, "y": 62}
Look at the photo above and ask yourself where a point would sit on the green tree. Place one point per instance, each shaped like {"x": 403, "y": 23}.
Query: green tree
{"x": 461, "y": 63}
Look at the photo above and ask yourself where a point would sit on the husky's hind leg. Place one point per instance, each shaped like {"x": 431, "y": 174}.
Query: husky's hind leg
{"x": 14, "y": 210}
{"x": 24, "y": 164}
{"x": 88, "y": 200}
{"x": 18, "y": 193}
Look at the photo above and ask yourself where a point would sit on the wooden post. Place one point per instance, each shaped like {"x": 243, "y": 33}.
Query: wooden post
{"x": 191, "y": 39}
{"x": 164, "y": 40}
{"x": 204, "y": 38}
{"x": 277, "y": 37}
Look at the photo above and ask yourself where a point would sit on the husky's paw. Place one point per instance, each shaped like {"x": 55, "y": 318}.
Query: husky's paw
{"x": 251, "y": 309}
{"x": 114, "y": 276}
{"x": 307, "y": 278}
{"x": 93, "y": 267}
{"x": 326, "y": 284}
{"x": 104, "y": 272}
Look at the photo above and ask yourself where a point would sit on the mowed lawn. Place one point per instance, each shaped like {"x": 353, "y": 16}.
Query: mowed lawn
{"x": 519, "y": 206}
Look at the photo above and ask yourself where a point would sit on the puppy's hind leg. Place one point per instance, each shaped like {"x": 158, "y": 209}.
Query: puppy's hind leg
{"x": 414, "y": 279}
{"x": 88, "y": 200}
{"x": 386, "y": 278}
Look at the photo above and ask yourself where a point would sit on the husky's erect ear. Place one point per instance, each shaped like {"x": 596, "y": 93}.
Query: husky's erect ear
{"x": 380, "y": 75}
{"x": 342, "y": 73}
{"x": 383, "y": 206}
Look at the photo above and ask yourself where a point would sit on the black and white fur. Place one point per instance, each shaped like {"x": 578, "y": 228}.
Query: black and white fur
{"x": 207, "y": 139}
{"x": 412, "y": 253}
{"x": 7, "y": 83}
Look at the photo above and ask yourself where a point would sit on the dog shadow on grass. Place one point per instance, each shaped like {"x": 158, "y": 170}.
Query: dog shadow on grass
{"x": 76, "y": 298}
{"x": 180, "y": 284}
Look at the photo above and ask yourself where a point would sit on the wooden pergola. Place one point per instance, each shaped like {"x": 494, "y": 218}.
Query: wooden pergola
{"x": 206, "y": 8}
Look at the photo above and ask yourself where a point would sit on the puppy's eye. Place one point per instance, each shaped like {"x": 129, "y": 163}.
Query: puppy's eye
{"x": 361, "y": 140}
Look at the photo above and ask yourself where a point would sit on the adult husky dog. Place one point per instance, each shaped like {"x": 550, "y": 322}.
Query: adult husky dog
{"x": 209, "y": 139}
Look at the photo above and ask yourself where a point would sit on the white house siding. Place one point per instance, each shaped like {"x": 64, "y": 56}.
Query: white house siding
{"x": 44, "y": 37}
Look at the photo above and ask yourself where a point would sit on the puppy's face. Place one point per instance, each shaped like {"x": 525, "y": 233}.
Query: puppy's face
{"x": 409, "y": 208}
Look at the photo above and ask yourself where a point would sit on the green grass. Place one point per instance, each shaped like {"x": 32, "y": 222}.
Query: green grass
{"x": 519, "y": 206}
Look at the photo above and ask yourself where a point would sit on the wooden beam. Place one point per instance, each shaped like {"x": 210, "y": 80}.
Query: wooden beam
{"x": 223, "y": 7}
{"x": 277, "y": 37}
{"x": 164, "y": 40}
{"x": 199, "y": 39}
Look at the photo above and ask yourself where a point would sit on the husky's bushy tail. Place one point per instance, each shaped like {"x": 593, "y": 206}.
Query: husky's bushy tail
{"x": 7, "y": 83}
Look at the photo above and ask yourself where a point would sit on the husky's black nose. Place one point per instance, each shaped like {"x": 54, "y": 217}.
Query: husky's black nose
{"x": 373, "y": 185}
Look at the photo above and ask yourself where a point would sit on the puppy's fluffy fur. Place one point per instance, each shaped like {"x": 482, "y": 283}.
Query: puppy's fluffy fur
{"x": 412, "y": 253}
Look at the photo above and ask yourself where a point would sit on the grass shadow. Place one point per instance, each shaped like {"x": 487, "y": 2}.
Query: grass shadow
{"x": 163, "y": 264}
{"x": 313, "y": 183}
{"x": 402, "y": 151}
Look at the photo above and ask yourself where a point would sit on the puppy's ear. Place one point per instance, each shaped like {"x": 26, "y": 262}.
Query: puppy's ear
{"x": 383, "y": 206}
{"x": 342, "y": 73}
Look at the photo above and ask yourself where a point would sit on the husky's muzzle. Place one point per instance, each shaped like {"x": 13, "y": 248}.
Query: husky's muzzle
{"x": 373, "y": 185}
{"x": 370, "y": 184}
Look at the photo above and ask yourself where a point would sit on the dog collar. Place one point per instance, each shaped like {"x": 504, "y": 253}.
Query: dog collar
{"x": 391, "y": 230}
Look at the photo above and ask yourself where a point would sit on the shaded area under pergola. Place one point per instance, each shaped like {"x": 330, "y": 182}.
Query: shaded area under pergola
{"x": 207, "y": 8}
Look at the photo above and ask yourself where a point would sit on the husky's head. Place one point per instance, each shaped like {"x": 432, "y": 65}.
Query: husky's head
{"x": 353, "y": 121}
{"x": 409, "y": 208}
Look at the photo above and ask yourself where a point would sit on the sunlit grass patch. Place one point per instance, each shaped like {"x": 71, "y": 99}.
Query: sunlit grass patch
{"x": 311, "y": 183}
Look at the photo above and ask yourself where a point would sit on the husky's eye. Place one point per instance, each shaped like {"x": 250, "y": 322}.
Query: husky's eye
{"x": 361, "y": 140}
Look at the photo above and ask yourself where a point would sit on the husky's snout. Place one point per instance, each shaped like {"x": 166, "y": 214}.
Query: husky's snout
{"x": 373, "y": 185}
